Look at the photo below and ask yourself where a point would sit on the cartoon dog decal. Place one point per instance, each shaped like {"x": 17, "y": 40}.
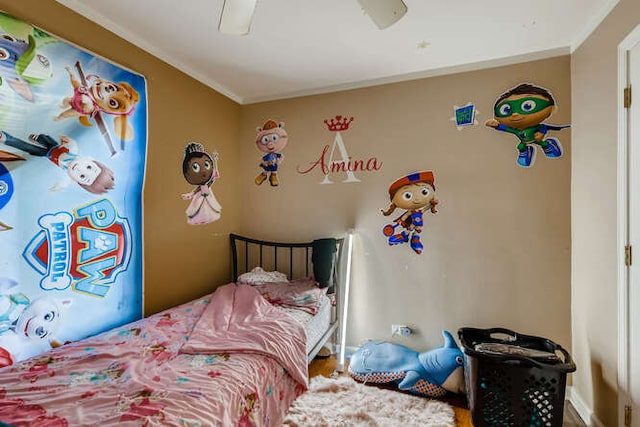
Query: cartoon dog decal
{"x": 93, "y": 95}
{"x": 34, "y": 328}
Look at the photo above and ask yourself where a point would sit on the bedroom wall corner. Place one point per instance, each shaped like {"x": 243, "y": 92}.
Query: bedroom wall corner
{"x": 181, "y": 261}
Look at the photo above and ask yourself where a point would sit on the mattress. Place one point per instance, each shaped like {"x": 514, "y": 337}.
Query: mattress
{"x": 314, "y": 325}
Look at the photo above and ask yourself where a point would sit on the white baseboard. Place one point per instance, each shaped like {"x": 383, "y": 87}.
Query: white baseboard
{"x": 583, "y": 410}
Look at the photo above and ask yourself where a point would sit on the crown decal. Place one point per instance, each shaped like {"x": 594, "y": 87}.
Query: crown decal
{"x": 338, "y": 124}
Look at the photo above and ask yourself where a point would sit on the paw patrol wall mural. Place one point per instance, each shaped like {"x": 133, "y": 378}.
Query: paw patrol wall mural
{"x": 70, "y": 192}
{"x": 200, "y": 169}
{"x": 521, "y": 112}
{"x": 415, "y": 194}
{"x": 271, "y": 139}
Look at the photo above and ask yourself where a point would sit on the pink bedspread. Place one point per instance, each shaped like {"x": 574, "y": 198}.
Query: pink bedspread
{"x": 224, "y": 360}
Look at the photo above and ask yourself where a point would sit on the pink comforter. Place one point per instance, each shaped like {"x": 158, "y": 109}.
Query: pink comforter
{"x": 226, "y": 360}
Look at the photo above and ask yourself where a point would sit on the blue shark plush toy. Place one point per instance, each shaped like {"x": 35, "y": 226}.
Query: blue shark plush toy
{"x": 432, "y": 373}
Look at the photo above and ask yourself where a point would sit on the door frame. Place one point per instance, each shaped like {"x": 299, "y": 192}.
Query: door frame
{"x": 624, "y": 349}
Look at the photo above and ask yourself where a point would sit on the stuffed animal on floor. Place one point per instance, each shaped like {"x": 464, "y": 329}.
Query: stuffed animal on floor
{"x": 432, "y": 373}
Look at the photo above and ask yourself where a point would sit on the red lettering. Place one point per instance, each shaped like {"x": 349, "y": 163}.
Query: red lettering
{"x": 320, "y": 162}
{"x": 358, "y": 164}
{"x": 372, "y": 163}
{"x": 338, "y": 166}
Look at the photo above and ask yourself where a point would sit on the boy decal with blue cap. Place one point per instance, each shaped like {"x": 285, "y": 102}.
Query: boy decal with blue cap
{"x": 521, "y": 111}
{"x": 271, "y": 138}
{"x": 416, "y": 194}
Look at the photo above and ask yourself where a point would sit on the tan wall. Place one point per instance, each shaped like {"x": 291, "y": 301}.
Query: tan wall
{"x": 181, "y": 261}
{"x": 497, "y": 252}
{"x": 594, "y": 214}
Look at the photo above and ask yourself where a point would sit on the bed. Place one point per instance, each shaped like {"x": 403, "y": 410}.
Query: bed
{"x": 320, "y": 260}
{"x": 230, "y": 358}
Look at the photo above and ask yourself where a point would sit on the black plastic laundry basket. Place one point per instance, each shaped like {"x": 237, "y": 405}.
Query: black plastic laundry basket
{"x": 514, "y": 380}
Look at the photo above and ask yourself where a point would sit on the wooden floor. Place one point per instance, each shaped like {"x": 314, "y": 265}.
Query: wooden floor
{"x": 328, "y": 366}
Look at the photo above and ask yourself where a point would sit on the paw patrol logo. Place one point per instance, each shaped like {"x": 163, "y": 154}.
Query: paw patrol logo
{"x": 86, "y": 250}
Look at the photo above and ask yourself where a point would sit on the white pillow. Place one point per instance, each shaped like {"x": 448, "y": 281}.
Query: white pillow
{"x": 258, "y": 276}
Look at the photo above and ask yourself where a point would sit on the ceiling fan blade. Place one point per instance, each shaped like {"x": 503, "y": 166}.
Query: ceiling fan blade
{"x": 236, "y": 17}
{"x": 383, "y": 12}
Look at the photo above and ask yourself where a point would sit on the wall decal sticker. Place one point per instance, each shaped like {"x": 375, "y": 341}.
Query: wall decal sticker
{"x": 465, "y": 116}
{"x": 416, "y": 194}
{"x": 521, "y": 112}
{"x": 70, "y": 196}
{"x": 271, "y": 139}
{"x": 200, "y": 169}
{"x": 329, "y": 164}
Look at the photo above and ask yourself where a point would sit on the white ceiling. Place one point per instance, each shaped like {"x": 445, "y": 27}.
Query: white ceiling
{"x": 303, "y": 47}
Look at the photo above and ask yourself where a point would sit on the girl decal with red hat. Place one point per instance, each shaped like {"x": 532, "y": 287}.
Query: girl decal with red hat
{"x": 416, "y": 194}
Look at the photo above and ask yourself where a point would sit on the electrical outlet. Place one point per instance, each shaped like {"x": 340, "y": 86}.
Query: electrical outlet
{"x": 400, "y": 330}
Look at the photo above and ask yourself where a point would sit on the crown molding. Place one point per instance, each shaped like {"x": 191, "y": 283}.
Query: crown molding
{"x": 84, "y": 10}
{"x": 455, "y": 69}
{"x": 87, "y": 12}
{"x": 593, "y": 23}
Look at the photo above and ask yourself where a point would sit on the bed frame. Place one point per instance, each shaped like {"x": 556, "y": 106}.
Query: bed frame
{"x": 295, "y": 260}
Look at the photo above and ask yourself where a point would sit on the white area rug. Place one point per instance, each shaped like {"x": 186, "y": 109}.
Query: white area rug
{"x": 343, "y": 402}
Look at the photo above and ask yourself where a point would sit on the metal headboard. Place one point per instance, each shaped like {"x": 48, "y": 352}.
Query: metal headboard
{"x": 292, "y": 259}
